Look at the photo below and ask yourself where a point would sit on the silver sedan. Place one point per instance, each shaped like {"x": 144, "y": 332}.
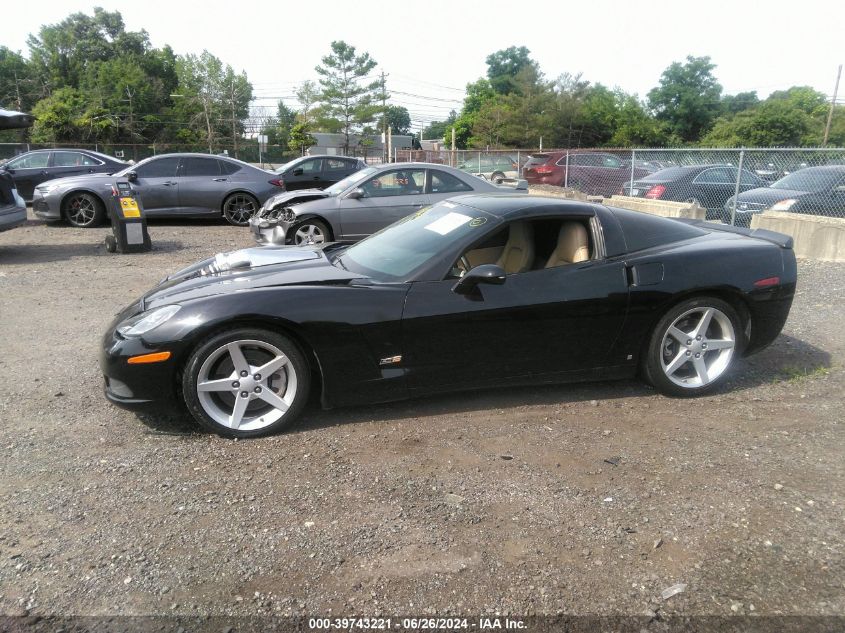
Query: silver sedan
{"x": 365, "y": 202}
{"x": 169, "y": 185}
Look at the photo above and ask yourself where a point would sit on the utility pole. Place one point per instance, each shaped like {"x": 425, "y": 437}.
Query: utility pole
{"x": 132, "y": 125}
{"x": 386, "y": 144}
{"x": 832, "y": 105}
{"x": 234, "y": 119}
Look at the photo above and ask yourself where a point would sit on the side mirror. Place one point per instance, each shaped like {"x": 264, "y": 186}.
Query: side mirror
{"x": 132, "y": 176}
{"x": 297, "y": 171}
{"x": 484, "y": 274}
{"x": 355, "y": 194}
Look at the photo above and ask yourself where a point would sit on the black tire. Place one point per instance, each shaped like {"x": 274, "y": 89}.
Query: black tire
{"x": 497, "y": 178}
{"x": 211, "y": 362}
{"x": 83, "y": 210}
{"x": 685, "y": 380}
{"x": 315, "y": 230}
{"x": 239, "y": 207}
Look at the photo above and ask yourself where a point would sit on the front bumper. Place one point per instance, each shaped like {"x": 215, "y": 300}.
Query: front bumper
{"x": 46, "y": 207}
{"x": 137, "y": 387}
{"x": 266, "y": 231}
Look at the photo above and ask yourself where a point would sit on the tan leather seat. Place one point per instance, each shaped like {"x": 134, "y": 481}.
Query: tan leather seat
{"x": 518, "y": 254}
{"x": 573, "y": 245}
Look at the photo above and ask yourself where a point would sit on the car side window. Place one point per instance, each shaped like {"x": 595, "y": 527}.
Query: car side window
{"x": 611, "y": 162}
{"x": 312, "y": 166}
{"x": 336, "y": 164}
{"x": 441, "y": 182}
{"x": 193, "y": 167}
{"x": 715, "y": 176}
{"x": 158, "y": 168}
{"x": 748, "y": 178}
{"x": 227, "y": 168}
{"x": 72, "y": 159}
{"x": 30, "y": 161}
{"x": 401, "y": 182}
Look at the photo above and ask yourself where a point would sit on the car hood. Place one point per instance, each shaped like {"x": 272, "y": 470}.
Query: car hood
{"x": 766, "y": 195}
{"x": 291, "y": 196}
{"x": 249, "y": 269}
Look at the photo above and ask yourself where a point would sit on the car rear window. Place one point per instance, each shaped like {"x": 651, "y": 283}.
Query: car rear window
{"x": 537, "y": 159}
{"x": 668, "y": 174}
{"x": 646, "y": 231}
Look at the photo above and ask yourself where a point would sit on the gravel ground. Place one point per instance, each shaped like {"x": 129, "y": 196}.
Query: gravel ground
{"x": 587, "y": 499}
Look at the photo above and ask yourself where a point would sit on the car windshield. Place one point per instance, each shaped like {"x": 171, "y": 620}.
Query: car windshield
{"x": 404, "y": 247}
{"x": 343, "y": 185}
{"x": 809, "y": 180}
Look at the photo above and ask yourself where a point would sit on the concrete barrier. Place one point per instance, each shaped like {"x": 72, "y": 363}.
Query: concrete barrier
{"x": 664, "y": 208}
{"x": 816, "y": 237}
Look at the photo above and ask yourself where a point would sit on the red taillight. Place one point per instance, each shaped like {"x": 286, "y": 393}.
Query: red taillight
{"x": 544, "y": 169}
{"x": 768, "y": 282}
{"x": 277, "y": 182}
{"x": 655, "y": 192}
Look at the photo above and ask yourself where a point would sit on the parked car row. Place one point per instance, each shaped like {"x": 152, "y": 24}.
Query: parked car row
{"x": 74, "y": 185}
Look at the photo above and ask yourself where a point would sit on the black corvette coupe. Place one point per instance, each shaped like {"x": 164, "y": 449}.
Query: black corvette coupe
{"x": 475, "y": 291}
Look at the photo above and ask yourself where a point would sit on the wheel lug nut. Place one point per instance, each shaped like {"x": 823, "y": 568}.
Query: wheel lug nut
{"x": 244, "y": 394}
{"x": 257, "y": 376}
{"x": 704, "y": 346}
{"x": 258, "y": 390}
{"x": 244, "y": 374}
{"x": 698, "y": 355}
{"x": 236, "y": 384}
{"x": 697, "y": 338}
{"x": 689, "y": 352}
{"x": 689, "y": 341}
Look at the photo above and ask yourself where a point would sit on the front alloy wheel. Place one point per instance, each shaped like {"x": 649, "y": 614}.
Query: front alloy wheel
{"x": 238, "y": 209}
{"x": 693, "y": 346}
{"x": 310, "y": 233}
{"x": 246, "y": 382}
{"x": 83, "y": 210}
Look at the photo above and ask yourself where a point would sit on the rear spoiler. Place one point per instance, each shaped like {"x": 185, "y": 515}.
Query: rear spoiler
{"x": 780, "y": 239}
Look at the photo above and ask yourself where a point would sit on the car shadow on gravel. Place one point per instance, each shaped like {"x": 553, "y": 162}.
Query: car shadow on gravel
{"x": 787, "y": 358}
{"x": 28, "y": 254}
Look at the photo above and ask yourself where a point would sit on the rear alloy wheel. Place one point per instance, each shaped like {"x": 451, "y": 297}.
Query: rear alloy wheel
{"x": 83, "y": 210}
{"x": 310, "y": 232}
{"x": 238, "y": 208}
{"x": 246, "y": 382}
{"x": 497, "y": 178}
{"x": 693, "y": 347}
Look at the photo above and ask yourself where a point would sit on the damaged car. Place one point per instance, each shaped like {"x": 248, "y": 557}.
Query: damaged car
{"x": 363, "y": 203}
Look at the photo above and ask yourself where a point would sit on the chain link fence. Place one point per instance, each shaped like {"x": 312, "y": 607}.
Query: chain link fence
{"x": 732, "y": 184}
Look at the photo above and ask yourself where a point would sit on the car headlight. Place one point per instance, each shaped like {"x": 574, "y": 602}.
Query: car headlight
{"x": 46, "y": 188}
{"x": 783, "y": 205}
{"x": 146, "y": 321}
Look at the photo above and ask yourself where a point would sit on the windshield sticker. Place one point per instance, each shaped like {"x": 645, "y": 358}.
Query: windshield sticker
{"x": 448, "y": 223}
{"x": 478, "y": 222}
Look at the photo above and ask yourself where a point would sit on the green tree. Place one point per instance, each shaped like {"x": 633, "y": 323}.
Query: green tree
{"x": 733, "y": 104}
{"x": 236, "y": 94}
{"x": 438, "y": 129}
{"x": 60, "y": 117}
{"x": 16, "y": 81}
{"x": 503, "y": 66}
{"x": 345, "y": 95}
{"x": 687, "y": 99}
{"x": 301, "y": 138}
{"x": 279, "y": 127}
{"x": 307, "y": 95}
{"x": 398, "y": 119}
{"x": 774, "y": 123}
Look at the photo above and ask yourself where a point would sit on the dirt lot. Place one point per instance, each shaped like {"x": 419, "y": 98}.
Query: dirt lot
{"x": 588, "y": 499}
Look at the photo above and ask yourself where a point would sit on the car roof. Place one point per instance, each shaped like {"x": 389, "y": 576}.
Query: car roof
{"x": 510, "y": 205}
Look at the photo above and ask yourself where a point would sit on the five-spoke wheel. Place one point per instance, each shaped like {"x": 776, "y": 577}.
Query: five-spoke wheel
{"x": 693, "y": 346}
{"x": 238, "y": 208}
{"x": 246, "y": 382}
{"x": 310, "y": 232}
{"x": 83, "y": 210}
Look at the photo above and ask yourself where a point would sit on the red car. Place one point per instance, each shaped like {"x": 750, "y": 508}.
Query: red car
{"x": 594, "y": 173}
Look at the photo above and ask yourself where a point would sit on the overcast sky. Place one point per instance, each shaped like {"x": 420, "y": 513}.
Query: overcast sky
{"x": 431, "y": 49}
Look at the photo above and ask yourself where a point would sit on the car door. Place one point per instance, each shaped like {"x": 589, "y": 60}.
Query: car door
{"x": 28, "y": 171}
{"x": 202, "y": 186}
{"x": 387, "y": 197}
{"x": 549, "y": 323}
{"x": 65, "y": 163}
{"x": 335, "y": 170}
{"x": 304, "y": 175}
{"x": 157, "y": 185}
{"x": 713, "y": 187}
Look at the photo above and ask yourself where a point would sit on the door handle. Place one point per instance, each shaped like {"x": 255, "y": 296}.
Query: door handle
{"x": 44, "y": 173}
{"x": 316, "y": 178}
{"x": 220, "y": 179}
{"x": 169, "y": 184}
